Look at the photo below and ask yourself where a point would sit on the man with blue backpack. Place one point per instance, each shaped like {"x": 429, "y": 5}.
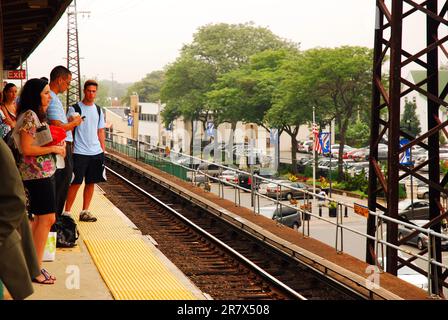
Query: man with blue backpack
{"x": 88, "y": 154}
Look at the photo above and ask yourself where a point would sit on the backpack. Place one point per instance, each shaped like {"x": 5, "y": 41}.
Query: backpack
{"x": 67, "y": 232}
{"x": 78, "y": 109}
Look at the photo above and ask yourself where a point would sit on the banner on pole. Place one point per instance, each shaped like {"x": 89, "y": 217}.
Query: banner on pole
{"x": 324, "y": 139}
{"x": 405, "y": 157}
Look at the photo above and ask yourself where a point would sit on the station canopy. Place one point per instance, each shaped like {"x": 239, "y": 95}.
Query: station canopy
{"x": 23, "y": 26}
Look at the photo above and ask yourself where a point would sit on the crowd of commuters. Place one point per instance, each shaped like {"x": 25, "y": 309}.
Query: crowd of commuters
{"x": 37, "y": 183}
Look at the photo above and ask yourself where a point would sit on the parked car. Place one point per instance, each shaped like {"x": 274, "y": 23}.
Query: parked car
{"x": 263, "y": 187}
{"x": 416, "y": 210}
{"x": 245, "y": 179}
{"x": 335, "y": 150}
{"x": 303, "y": 163}
{"x": 210, "y": 169}
{"x": 306, "y": 146}
{"x": 286, "y": 192}
{"x": 284, "y": 215}
{"x": 361, "y": 154}
{"x": 421, "y": 239}
{"x": 228, "y": 176}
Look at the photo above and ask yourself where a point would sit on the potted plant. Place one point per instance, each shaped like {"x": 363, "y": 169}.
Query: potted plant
{"x": 332, "y": 207}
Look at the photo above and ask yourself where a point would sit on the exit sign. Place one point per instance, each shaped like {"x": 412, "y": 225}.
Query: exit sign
{"x": 15, "y": 74}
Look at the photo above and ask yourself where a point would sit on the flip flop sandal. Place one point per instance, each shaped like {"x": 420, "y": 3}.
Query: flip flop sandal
{"x": 45, "y": 281}
{"x": 47, "y": 275}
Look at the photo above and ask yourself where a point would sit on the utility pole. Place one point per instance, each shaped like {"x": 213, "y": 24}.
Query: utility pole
{"x": 74, "y": 90}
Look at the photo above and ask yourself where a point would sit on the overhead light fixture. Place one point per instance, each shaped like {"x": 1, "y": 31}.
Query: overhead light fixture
{"x": 37, "y": 4}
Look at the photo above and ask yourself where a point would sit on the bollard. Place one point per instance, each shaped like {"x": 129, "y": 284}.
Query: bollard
{"x": 320, "y": 210}
{"x": 346, "y": 212}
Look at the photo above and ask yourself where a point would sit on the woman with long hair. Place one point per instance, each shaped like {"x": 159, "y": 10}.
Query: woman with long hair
{"x": 37, "y": 165}
{"x": 9, "y": 106}
{"x": 8, "y": 109}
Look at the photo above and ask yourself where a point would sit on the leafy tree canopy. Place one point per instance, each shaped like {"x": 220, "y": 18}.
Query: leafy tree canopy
{"x": 148, "y": 89}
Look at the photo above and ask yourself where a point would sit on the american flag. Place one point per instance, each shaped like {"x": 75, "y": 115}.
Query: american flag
{"x": 317, "y": 146}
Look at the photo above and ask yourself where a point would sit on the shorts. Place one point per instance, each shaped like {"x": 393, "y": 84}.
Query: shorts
{"x": 90, "y": 168}
{"x": 41, "y": 195}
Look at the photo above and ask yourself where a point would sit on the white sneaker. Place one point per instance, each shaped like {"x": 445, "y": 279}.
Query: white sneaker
{"x": 66, "y": 213}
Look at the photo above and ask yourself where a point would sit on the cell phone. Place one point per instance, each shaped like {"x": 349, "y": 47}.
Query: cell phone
{"x": 83, "y": 117}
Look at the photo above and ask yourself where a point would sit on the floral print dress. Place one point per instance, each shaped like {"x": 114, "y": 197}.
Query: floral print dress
{"x": 34, "y": 167}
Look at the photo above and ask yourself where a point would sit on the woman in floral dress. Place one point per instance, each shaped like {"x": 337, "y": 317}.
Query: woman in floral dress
{"x": 37, "y": 165}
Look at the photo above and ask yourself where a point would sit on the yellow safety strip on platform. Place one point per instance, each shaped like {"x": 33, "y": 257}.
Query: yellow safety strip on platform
{"x": 127, "y": 264}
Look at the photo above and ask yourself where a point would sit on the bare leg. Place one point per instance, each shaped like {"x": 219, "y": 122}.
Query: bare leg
{"x": 42, "y": 226}
{"x": 88, "y": 195}
{"x": 71, "y": 196}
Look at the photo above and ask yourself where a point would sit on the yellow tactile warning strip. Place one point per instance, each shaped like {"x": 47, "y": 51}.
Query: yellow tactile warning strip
{"x": 127, "y": 264}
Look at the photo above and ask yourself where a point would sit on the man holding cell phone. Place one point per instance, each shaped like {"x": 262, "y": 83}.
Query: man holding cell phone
{"x": 60, "y": 78}
{"x": 89, "y": 147}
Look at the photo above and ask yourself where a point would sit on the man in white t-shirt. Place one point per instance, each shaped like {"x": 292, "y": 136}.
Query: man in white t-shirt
{"x": 88, "y": 153}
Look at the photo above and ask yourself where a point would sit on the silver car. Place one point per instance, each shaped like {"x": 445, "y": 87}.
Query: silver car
{"x": 284, "y": 215}
{"x": 416, "y": 210}
{"x": 421, "y": 239}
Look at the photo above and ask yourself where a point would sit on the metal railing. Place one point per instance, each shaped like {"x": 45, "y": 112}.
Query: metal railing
{"x": 139, "y": 150}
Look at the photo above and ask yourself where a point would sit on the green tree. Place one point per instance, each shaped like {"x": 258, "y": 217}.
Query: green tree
{"x": 215, "y": 50}
{"x": 246, "y": 94}
{"x": 148, "y": 89}
{"x": 409, "y": 120}
{"x": 183, "y": 92}
{"x": 358, "y": 134}
{"x": 336, "y": 82}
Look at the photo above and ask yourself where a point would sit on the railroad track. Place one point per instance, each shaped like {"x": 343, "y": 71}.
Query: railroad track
{"x": 220, "y": 259}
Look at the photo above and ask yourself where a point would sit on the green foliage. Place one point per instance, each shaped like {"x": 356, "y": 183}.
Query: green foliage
{"x": 444, "y": 166}
{"x": 402, "y": 191}
{"x": 358, "y": 134}
{"x": 245, "y": 94}
{"x": 148, "y": 89}
{"x": 215, "y": 50}
{"x": 108, "y": 90}
{"x": 357, "y": 182}
{"x": 409, "y": 120}
{"x": 332, "y": 205}
{"x": 442, "y": 139}
{"x": 308, "y": 171}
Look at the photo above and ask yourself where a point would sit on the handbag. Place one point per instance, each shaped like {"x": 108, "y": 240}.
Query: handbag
{"x": 43, "y": 136}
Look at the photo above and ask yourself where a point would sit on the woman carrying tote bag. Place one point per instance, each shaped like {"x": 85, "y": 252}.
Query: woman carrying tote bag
{"x": 37, "y": 164}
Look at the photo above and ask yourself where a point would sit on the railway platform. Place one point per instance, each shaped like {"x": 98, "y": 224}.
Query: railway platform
{"x": 335, "y": 265}
{"x": 113, "y": 261}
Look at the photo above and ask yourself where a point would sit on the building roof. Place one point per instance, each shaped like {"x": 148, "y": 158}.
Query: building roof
{"x": 25, "y": 24}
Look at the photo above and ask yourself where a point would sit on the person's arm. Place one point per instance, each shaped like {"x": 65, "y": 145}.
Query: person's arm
{"x": 102, "y": 138}
{"x": 12, "y": 194}
{"x": 30, "y": 150}
{"x": 67, "y": 126}
{"x": 8, "y": 120}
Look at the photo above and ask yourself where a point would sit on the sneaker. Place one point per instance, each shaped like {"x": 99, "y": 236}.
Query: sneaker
{"x": 86, "y": 216}
{"x": 67, "y": 213}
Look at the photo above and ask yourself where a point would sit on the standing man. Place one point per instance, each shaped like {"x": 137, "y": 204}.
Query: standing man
{"x": 88, "y": 155}
{"x": 60, "y": 78}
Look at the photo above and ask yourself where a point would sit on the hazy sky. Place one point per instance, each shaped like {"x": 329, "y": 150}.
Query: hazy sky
{"x": 134, "y": 37}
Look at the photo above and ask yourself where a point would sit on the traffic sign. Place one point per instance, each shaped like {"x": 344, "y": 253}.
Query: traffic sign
{"x": 361, "y": 210}
{"x": 14, "y": 74}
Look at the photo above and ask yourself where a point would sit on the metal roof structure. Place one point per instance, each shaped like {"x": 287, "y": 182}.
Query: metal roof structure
{"x": 24, "y": 24}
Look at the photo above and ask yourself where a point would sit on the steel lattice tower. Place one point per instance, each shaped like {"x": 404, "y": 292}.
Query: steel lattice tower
{"x": 394, "y": 21}
{"x": 74, "y": 90}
